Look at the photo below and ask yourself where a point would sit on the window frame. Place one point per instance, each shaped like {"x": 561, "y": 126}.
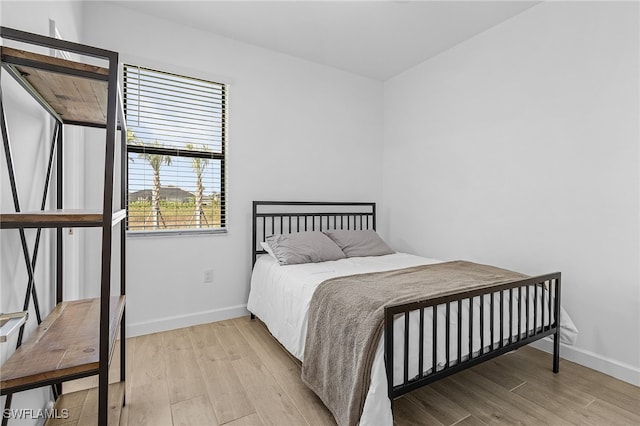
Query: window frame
{"x": 181, "y": 153}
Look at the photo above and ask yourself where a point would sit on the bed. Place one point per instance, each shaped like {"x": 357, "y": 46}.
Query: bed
{"x": 457, "y": 329}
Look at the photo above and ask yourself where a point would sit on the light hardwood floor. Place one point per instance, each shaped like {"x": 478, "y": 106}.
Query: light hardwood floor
{"x": 234, "y": 373}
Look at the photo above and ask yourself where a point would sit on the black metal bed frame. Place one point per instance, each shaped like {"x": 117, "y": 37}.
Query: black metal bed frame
{"x": 271, "y": 217}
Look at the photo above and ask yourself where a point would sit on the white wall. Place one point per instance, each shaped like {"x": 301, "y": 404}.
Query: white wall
{"x": 297, "y": 131}
{"x": 30, "y": 131}
{"x": 519, "y": 147}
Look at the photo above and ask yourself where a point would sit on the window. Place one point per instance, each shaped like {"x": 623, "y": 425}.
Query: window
{"x": 176, "y": 144}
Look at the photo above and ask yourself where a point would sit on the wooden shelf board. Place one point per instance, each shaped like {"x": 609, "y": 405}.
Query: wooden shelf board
{"x": 74, "y": 98}
{"x": 9, "y": 53}
{"x": 63, "y": 347}
{"x": 81, "y": 407}
{"x": 64, "y": 218}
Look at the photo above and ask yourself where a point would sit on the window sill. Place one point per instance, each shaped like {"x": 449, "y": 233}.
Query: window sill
{"x": 176, "y": 233}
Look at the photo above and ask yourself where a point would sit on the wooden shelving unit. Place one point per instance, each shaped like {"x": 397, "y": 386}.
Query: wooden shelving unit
{"x": 64, "y": 347}
{"x": 77, "y": 338}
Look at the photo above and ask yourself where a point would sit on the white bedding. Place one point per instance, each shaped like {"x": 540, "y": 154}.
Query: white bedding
{"x": 280, "y": 297}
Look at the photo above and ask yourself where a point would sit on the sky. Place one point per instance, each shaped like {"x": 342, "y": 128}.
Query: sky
{"x": 173, "y": 111}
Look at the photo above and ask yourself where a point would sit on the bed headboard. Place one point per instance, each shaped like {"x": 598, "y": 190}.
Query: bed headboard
{"x": 285, "y": 217}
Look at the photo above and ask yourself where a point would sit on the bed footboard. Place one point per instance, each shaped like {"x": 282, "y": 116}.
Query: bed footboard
{"x": 428, "y": 340}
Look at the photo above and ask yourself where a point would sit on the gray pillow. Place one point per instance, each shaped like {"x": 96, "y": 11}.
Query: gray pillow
{"x": 303, "y": 247}
{"x": 360, "y": 243}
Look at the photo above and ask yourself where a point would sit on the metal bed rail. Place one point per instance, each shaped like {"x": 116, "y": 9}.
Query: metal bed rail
{"x": 539, "y": 321}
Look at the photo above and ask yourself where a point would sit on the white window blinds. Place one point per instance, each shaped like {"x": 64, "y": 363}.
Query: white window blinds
{"x": 176, "y": 144}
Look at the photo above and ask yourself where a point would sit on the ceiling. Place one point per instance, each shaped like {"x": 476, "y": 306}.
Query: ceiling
{"x": 375, "y": 39}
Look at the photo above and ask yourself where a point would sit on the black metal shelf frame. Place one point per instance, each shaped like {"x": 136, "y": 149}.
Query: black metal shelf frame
{"x": 114, "y": 121}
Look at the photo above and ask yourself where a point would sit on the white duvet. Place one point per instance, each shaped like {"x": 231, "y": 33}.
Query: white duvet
{"x": 280, "y": 297}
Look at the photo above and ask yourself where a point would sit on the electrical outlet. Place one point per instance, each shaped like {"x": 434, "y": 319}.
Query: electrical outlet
{"x": 207, "y": 276}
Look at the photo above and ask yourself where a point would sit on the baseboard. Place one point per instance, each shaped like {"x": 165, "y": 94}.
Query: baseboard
{"x": 180, "y": 321}
{"x": 611, "y": 367}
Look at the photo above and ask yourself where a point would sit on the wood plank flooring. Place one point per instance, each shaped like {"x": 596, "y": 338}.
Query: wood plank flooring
{"x": 234, "y": 373}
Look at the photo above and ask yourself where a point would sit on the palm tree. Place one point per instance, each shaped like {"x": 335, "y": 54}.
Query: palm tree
{"x": 198, "y": 165}
{"x": 156, "y": 161}
{"x": 131, "y": 137}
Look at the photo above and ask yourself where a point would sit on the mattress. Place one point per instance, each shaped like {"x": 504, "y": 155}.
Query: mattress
{"x": 280, "y": 297}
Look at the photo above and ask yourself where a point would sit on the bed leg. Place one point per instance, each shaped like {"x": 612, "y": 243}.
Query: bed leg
{"x": 252, "y": 316}
{"x": 556, "y": 352}
{"x": 556, "y": 336}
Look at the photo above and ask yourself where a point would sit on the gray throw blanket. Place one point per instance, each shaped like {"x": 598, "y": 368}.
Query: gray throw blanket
{"x": 346, "y": 318}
